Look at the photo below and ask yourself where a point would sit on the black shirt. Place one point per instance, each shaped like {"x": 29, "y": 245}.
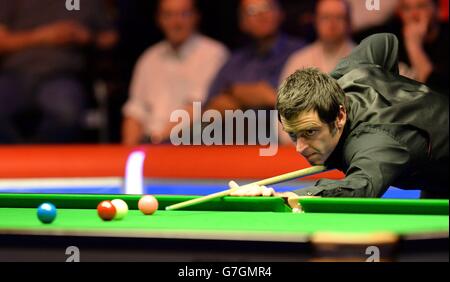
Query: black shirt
{"x": 396, "y": 131}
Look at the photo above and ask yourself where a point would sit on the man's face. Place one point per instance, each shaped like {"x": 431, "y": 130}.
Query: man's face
{"x": 413, "y": 11}
{"x": 260, "y": 18}
{"x": 315, "y": 140}
{"x": 332, "y": 21}
{"x": 177, "y": 19}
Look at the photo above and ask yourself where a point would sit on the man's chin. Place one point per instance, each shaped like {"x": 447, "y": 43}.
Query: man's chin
{"x": 314, "y": 161}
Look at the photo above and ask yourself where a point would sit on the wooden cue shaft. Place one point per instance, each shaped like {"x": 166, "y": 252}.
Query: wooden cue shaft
{"x": 264, "y": 182}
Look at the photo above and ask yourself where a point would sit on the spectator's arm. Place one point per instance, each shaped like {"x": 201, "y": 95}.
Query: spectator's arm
{"x": 11, "y": 42}
{"x": 132, "y": 131}
{"x": 222, "y": 102}
{"x": 419, "y": 61}
{"x": 54, "y": 34}
{"x": 253, "y": 95}
{"x": 135, "y": 109}
{"x": 107, "y": 39}
{"x": 244, "y": 95}
{"x": 101, "y": 24}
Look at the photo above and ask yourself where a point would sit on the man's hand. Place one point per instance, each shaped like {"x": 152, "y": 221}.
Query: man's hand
{"x": 63, "y": 33}
{"x": 250, "y": 190}
{"x": 254, "y": 95}
{"x": 414, "y": 32}
{"x": 253, "y": 190}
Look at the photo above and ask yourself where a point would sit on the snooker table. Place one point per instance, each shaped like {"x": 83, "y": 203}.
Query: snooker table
{"x": 230, "y": 229}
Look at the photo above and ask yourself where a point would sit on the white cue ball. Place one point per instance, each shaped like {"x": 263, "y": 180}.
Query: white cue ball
{"x": 121, "y": 208}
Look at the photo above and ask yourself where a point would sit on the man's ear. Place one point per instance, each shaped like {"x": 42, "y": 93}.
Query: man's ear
{"x": 341, "y": 118}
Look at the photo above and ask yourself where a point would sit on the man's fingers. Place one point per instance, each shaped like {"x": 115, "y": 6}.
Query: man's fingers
{"x": 267, "y": 192}
{"x": 252, "y": 190}
{"x": 232, "y": 184}
{"x": 243, "y": 192}
{"x": 246, "y": 190}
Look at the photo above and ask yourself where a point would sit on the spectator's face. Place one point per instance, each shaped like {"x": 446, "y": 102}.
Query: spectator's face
{"x": 177, "y": 19}
{"x": 314, "y": 139}
{"x": 260, "y": 18}
{"x": 411, "y": 11}
{"x": 332, "y": 21}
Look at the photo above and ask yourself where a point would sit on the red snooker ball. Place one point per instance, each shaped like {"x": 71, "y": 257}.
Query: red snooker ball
{"x": 148, "y": 204}
{"x": 106, "y": 210}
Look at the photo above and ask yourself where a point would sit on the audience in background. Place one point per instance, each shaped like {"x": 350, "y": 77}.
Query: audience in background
{"x": 250, "y": 77}
{"x": 170, "y": 75}
{"x": 42, "y": 60}
{"x": 423, "y": 51}
{"x": 332, "y": 24}
{"x": 48, "y": 55}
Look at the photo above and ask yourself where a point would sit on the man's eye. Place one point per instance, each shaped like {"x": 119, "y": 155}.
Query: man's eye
{"x": 310, "y": 133}
{"x": 293, "y": 136}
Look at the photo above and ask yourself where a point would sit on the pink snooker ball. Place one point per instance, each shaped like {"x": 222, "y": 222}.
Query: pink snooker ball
{"x": 148, "y": 205}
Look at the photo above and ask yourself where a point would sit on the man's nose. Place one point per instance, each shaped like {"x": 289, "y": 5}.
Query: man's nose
{"x": 416, "y": 15}
{"x": 301, "y": 146}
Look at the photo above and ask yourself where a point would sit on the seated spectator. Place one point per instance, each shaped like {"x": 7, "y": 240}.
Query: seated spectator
{"x": 170, "y": 75}
{"x": 250, "y": 77}
{"x": 332, "y": 21}
{"x": 42, "y": 61}
{"x": 423, "y": 53}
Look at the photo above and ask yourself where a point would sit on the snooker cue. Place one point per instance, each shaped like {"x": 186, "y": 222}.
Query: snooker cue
{"x": 264, "y": 182}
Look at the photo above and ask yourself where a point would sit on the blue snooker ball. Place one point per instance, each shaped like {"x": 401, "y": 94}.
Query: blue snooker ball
{"x": 46, "y": 213}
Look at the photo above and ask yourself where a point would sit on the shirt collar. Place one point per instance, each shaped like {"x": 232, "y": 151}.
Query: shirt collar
{"x": 185, "y": 49}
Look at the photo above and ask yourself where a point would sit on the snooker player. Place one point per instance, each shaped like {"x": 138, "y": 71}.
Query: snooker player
{"x": 380, "y": 128}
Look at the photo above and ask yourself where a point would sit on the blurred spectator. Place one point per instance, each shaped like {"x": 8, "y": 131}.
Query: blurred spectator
{"x": 42, "y": 63}
{"x": 170, "y": 75}
{"x": 250, "y": 78}
{"x": 423, "y": 53}
{"x": 332, "y": 21}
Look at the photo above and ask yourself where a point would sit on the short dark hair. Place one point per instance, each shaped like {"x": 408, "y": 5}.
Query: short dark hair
{"x": 276, "y": 2}
{"x": 194, "y": 4}
{"x": 310, "y": 90}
